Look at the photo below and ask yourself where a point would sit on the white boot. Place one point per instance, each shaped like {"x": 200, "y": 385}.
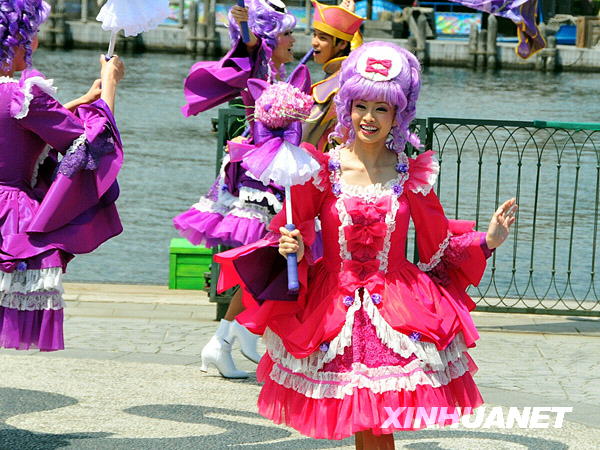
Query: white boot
{"x": 218, "y": 353}
{"x": 247, "y": 340}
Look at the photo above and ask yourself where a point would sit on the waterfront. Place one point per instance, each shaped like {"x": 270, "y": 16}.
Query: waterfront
{"x": 170, "y": 159}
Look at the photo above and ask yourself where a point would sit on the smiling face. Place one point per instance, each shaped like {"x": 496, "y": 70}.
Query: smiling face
{"x": 372, "y": 121}
{"x": 283, "y": 52}
{"x": 325, "y": 48}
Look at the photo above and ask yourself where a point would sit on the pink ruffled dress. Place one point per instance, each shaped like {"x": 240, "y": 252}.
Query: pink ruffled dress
{"x": 49, "y": 210}
{"x": 369, "y": 331}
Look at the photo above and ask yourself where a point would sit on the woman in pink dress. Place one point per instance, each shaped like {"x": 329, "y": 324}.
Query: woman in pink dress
{"x": 49, "y": 210}
{"x": 370, "y": 337}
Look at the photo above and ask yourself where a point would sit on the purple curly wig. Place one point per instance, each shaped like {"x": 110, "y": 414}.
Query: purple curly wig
{"x": 401, "y": 92}
{"x": 19, "y": 23}
{"x": 266, "y": 22}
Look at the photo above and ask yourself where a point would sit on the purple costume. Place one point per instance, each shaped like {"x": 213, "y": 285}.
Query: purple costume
{"x": 523, "y": 13}
{"x": 49, "y": 210}
{"x": 238, "y": 207}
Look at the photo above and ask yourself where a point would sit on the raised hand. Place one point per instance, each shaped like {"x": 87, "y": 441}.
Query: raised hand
{"x": 93, "y": 93}
{"x": 499, "y": 227}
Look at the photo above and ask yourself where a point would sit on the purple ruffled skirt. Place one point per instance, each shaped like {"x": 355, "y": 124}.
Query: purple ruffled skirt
{"x": 24, "y": 330}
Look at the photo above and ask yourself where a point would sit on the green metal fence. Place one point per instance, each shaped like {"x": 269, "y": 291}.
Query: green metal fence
{"x": 553, "y": 169}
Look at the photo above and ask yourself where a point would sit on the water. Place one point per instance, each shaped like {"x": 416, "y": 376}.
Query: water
{"x": 169, "y": 160}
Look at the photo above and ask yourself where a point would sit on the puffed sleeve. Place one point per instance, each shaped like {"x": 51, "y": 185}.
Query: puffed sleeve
{"x": 259, "y": 267}
{"x": 212, "y": 83}
{"x": 449, "y": 250}
{"x": 77, "y": 209}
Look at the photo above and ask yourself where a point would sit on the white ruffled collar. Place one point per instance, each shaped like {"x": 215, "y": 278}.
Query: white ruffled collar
{"x": 4, "y": 79}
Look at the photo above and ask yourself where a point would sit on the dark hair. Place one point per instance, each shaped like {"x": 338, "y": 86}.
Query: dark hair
{"x": 346, "y": 50}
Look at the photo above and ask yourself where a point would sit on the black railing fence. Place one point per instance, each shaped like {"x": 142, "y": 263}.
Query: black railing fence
{"x": 553, "y": 169}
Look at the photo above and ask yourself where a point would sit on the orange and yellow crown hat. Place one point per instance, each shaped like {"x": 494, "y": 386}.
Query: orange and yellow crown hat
{"x": 336, "y": 21}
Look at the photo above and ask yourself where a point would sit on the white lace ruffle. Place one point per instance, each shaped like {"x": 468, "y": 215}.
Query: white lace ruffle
{"x": 405, "y": 346}
{"x": 318, "y": 182}
{"x": 250, "y": 211}
{"x": 369, "y": 193}
{"x": 133, "y": 17}
{"x": 378, "y": 380}
{"x": 437, "y": 257}
{"x": 345, "y": 221}
{"x": 28, "y": 281}
{"x": 390, "y": 221}
{"x": 290, "y": 166}
{"x": 36, "y": 301}
{"x": 426, "y": 352}
{"x": 76, "y": 144}
{"x": 315, "y": 361}
{"x": 38, "y": 163}
{"x": 4, "y": 80}
{"x": 255, "y": 195}
{"x": 43, "y": 84}
{"x": 32, "y": 289}
{"x": 221, "y": 206}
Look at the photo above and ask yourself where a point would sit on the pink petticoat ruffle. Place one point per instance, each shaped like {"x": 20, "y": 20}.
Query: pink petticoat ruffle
{"x": 196, "y": 226}
{"x": 24, "y": 330}
{"x": 211, "y": 229}
{"x": 331, "y": 418}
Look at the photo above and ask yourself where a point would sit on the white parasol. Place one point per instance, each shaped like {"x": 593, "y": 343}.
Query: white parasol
{"x": 131, "y": 16}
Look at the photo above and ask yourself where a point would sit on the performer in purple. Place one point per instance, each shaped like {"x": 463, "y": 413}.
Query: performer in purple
{"x": 523, "y": 13}
{"x": 49, "y": 210}
{"x": 238, "y": 207}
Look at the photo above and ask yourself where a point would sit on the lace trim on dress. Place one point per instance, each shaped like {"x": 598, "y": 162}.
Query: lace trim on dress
{"x": 316, "y": 360}
{"x": 437, "y": 257}
{"x": 26, "y": 281}
{"x": 4, "y": 80}
{"x": 250, "y": 211}
{"x": 221, "y": 206}
{"x": 33, "y": 301}
{"x": 32, "y": 290}
{"x": 426, "y": 352}
{"x": 29, "y": 83}
{"x": 405, "y": 346}
{"x": 378, "y": 380}
{"x": 390, "y": 220}
{"x": 255, "y": 195}
{"x": 345, "y": 221}
{"x": 371, "y": 192}
{"x": 38, "y": 163}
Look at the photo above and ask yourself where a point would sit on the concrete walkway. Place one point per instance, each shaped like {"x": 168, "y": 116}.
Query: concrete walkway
{"x": 130, "y": 380}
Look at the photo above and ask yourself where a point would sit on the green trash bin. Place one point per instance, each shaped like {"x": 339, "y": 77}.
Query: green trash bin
{"x": 188, "y": 264}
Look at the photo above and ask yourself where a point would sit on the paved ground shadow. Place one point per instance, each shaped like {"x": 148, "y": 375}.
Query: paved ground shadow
{"x": 14, "y": 402}
{"x": 237, "y": 434}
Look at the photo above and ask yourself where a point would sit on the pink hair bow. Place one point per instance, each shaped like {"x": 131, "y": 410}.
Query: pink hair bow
{"x": 386, "y": 65}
